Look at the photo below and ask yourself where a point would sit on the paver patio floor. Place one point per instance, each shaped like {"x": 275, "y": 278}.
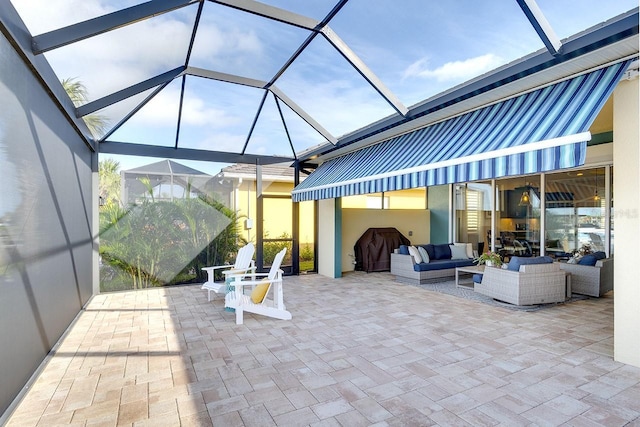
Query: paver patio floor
{"x": 360, "y": 350}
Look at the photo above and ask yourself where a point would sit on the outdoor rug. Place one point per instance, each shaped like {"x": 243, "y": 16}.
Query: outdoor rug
{"x": 449, "y": 287}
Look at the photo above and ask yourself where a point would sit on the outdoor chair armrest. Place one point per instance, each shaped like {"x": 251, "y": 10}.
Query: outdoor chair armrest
{"x": 241, "y": 283}
{"x": 217, "y": 267}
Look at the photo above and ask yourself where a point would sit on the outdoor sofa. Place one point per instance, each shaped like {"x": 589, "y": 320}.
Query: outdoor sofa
{"x": 525, "y": 281}
{"x": 441, "y": 262}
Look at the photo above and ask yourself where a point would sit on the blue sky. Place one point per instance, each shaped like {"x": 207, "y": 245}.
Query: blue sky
{"x": 416, "y": 48}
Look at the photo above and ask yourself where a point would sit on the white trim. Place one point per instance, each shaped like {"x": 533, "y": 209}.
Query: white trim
{"x": 549, "y": 143}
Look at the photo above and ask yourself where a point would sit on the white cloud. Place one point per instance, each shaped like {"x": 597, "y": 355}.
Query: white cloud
{"x": 162, "y": 110}
{"x": 220, "y": 142}
{"x": 338, "y": 104}
{"x": 213, "y": 43}
{"x": 41, "y": 16}
{"x": 114, "y": 60}
{"x": 455, "y": 71}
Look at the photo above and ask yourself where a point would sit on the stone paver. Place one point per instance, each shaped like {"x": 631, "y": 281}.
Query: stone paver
{"x": 361, "y": 350}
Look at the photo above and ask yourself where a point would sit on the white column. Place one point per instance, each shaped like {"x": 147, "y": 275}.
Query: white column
{"x": 626, "y": 182}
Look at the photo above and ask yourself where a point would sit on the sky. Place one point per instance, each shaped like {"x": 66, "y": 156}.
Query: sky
{"x": 417, "y": 48}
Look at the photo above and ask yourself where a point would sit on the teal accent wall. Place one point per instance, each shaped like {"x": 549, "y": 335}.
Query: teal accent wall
{"x": 438, "y": 204}
{"x": 601, "y": 138}
{"x": 337, "y": 253}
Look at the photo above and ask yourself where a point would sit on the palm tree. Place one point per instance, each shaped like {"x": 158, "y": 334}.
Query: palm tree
{"x": 78, "y": 93}
{"x": 109, "y": 181}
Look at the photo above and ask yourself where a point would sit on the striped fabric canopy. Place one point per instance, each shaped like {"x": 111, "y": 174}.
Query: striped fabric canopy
{"x": 539, "y": 131}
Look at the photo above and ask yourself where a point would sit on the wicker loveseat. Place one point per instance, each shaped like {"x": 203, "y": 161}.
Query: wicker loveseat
{"x": 594, "y": 280}
{"x": 441, "y": 263}
{"x": 526, "y": 281}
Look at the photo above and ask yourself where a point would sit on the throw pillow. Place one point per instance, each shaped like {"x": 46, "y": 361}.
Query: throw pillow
{"x": 458, "y": 252}
{"x": 424, "y": 254}
{"x": 413, "y": 251}
{"x": 589, "y": 259}
{"x": 442, "y": 251}
{"x": 600, "y": 255}
{"x": 515, "y": 262}
{"x": 469, "y": 248}
{"x": 260, "y": 291}
{"x": 430, "y": 250}
{"x": 403, "y": 250}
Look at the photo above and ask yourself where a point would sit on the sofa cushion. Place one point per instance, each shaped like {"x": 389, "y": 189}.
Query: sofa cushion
{"x": 413, "y": 251}
{"x": 403, "y": 250}
{"x": 515, "y": 262}
{"x": 430, "y": 251}
{"x": 600, "y": 255}
{"x": 443, "y": 264}
{"x": 441, "y": 251}
{"x": 424, "y": 254}
{"x": 589, "y": 259}
{"x": 458, "y": 252}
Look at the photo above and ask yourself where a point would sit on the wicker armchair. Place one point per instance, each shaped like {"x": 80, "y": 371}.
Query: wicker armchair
{"x": 533, "y": 284}
{"x": 589, "y": 280}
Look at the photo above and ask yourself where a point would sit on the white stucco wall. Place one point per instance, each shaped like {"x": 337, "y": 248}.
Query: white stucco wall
{"x": 626, "y": 178}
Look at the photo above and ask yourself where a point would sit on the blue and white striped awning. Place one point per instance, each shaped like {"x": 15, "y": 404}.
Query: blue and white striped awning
{"x": 539, "y": 131}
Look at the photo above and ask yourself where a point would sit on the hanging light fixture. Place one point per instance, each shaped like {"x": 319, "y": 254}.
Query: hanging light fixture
{"x": 525, "y": 200}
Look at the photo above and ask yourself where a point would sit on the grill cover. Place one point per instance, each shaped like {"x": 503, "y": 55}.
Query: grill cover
{"x": 373, "y": 249}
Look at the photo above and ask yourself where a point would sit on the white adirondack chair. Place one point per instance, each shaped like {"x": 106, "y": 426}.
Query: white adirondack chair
{"x": 259, "y": 302}
{"x": 244, "y": 265}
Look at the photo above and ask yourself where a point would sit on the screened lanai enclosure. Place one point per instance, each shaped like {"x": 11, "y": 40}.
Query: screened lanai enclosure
{"x": 126, "y": 126}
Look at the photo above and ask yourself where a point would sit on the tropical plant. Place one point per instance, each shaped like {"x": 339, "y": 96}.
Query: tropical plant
{"x": 76, "y": 90}
{"x": 221, "y": 242}
{"x": 146, "y": 182}
{"x": 109, "y": 181}
{"x": 489, "y": 258}
{"x": 159, "y": 243}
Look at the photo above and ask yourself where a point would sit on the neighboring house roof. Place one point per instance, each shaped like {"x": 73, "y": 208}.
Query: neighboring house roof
{"x": 275, "y": 172}
{"x": 165, "y": 172}
{"x": 166, "y": 167}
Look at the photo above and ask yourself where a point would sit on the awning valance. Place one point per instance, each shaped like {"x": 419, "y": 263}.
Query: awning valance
{"x": 539, "y": 131}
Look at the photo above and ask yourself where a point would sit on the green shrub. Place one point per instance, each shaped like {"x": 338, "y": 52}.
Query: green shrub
{"x": 271, "y": 249}
{"x": 306, "y": 252}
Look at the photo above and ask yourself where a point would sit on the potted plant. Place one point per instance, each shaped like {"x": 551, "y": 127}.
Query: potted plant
{"x": 490, "y": 259}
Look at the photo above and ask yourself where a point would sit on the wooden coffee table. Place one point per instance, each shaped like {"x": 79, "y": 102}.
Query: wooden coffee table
{"x": 473, "y": 269}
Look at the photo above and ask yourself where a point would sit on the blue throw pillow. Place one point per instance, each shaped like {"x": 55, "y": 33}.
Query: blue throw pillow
{"x": 589, "y": 259}
{"x": 515, "y": 262}
{"x": 430, "y": 251}
{"x": 403, "y": 250}
{"x": 600, "y": 255}
{"x": 442, "y": 251}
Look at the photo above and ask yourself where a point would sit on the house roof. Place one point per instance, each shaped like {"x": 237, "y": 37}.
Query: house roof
{"x": 165, "y": 167}
{"x": 278, "y": 172}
